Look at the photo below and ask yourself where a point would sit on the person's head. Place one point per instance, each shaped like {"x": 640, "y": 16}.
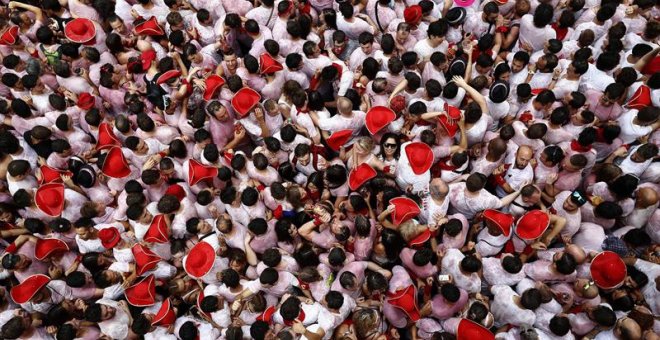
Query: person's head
{"x": 512, "y": 264}
{"x": 523, "y": 156}
{"x": 334, "y": 300}
{"x": 531, "y": 299}
{"x": 490, "y": 12}
{"x": 603, "y": 316}
{"x": 564, "y": 263}
{"x": 348, "y": 281}
{"x": 543, "y": 15}
{"x": 475, "y": 182}
{"x": 450, "y": 292}
{"x": 544, "y": 100}
{"x": 470, "y": 264}
{"x": 424, "y": 256}
{"x": 437, "y": 31}
{"x": 99, "y": 312}
{"x": 520, "y": 61}
{"x": 644, "y": 153}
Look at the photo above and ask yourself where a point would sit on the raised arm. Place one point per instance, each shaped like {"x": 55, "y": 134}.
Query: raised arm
{"x": 476, "y": 96}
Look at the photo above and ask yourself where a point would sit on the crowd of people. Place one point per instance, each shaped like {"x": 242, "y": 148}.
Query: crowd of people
{"x": 319, "y": 169}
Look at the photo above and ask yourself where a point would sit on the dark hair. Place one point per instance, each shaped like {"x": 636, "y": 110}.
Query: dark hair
{"x": 604, "y": 316}
{"x": 531, "y": 299}
{"x": 334, "y": 299}
{"x": 559, "y": 325}
{"x": 512, "y": 264}
{"x": 470, "y": 264}
{"x": 450, "y": 292}
{"x": 543, "y": 15}
{"x": 566, "y": 264}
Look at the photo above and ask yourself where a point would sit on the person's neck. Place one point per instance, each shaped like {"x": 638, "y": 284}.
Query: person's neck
{"x": 438, "y": 199}
{"x": 491, "y": 157}
{"x": 516, "y": 301}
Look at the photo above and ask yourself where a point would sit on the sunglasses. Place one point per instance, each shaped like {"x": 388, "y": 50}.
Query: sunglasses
{"x": 390, "y": 146}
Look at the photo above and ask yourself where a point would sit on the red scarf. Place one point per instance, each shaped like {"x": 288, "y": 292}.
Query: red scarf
{"x": 575, "y": 146}
{"x": 560, "y": 31}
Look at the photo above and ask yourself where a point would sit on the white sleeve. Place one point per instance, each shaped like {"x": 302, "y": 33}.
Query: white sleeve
{"x": 346, "y": 80}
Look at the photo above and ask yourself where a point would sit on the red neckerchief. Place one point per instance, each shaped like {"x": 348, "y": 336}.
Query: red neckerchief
{"x": 301, "y": 318}
{"x": 189, "y": 88}
{"x": 267, "y": 315}
{"x": 575, "y": 146}
{"x": 313, "y": 195}
{"x": 339, "y": 69}
{"x": 560, "y": 31}
{"x": 302, "y": 109}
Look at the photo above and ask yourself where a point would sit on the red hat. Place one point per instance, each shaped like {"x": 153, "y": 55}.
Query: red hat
{"x": 502, "y": 220}
{"x": 608, "y": 270}
{"x": 268, "y": 65}
{"x": 85, "y": 101}
{"x": 360, "y": 175}
{"x": 404, "y": 209}
{"x": 379, "y": 117}
{"x": 176, "y": 190}
{"x": 406, "y": 301}
{"x": 44, "y": 247}
{"x": 339, "y": 138}
{"x": 25, "y": 291}
{"x": 452, "y": 111}
{"x": 109, "y": 237}
{"x": 532, "y": 225}
{"x": 198, "y": 172}
{"x": 413, "y": 14}
{"x": 10, "y": 36}
{"x": 167, "y": 76}
{"x": 420, "y": 239}
{"x": 641, "y": 98}
{"x": 146, "y": 58}
{"x": 107, "y": 138}
{"x": 149, "y": 27}
{"x": 158, "y": 231}
{"x": 165, "y": 315}
{"x": 420, "y": 157}
{"x": 470, "y": 330}
{"x": 115, "y": 165}
{"x": 449, "y": 126}
{"x": 80, "y": 30}
{"x": 200, "y": 260}
{"x": 49, "y": 198}
{"x": 398, "y": 103}
{"x": 213, "y": 83}
{"x": 145, "y": 259}
{"x": 143, "y": 293}
{"x": 52, "y": 175}
{"x": 245, "y": 100}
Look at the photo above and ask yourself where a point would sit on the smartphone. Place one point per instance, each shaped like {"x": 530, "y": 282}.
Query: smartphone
{"x": 444, "y": 278}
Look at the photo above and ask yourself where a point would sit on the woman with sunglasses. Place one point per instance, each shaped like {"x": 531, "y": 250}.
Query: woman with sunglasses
{"x": 390, "y": 149}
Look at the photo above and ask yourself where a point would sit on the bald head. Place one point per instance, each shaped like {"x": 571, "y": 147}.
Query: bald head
{"x": 344, "y": 105}
{"x": 438, "y": 189}
{"x": 628, "y": 329}
{"x": 523, "y": 156}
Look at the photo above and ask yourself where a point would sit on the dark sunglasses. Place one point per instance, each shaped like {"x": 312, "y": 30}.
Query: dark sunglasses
{"x": 389, "y": 145}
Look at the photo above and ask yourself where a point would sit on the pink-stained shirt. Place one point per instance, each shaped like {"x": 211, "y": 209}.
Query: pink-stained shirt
{"x": 573, "y": 219}
{"x": 495, "y": 274}
{"x": 443, "y": 309}
{"x": 423, "y": 272}
{"x": 451, "y": 265}
{"x": 506, "y": 311}
{"x": 469, "y": 206}
{"x": 541, "y": 270}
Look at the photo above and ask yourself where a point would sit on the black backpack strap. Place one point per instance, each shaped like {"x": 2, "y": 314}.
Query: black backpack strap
{"x": 378, "y": 19}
